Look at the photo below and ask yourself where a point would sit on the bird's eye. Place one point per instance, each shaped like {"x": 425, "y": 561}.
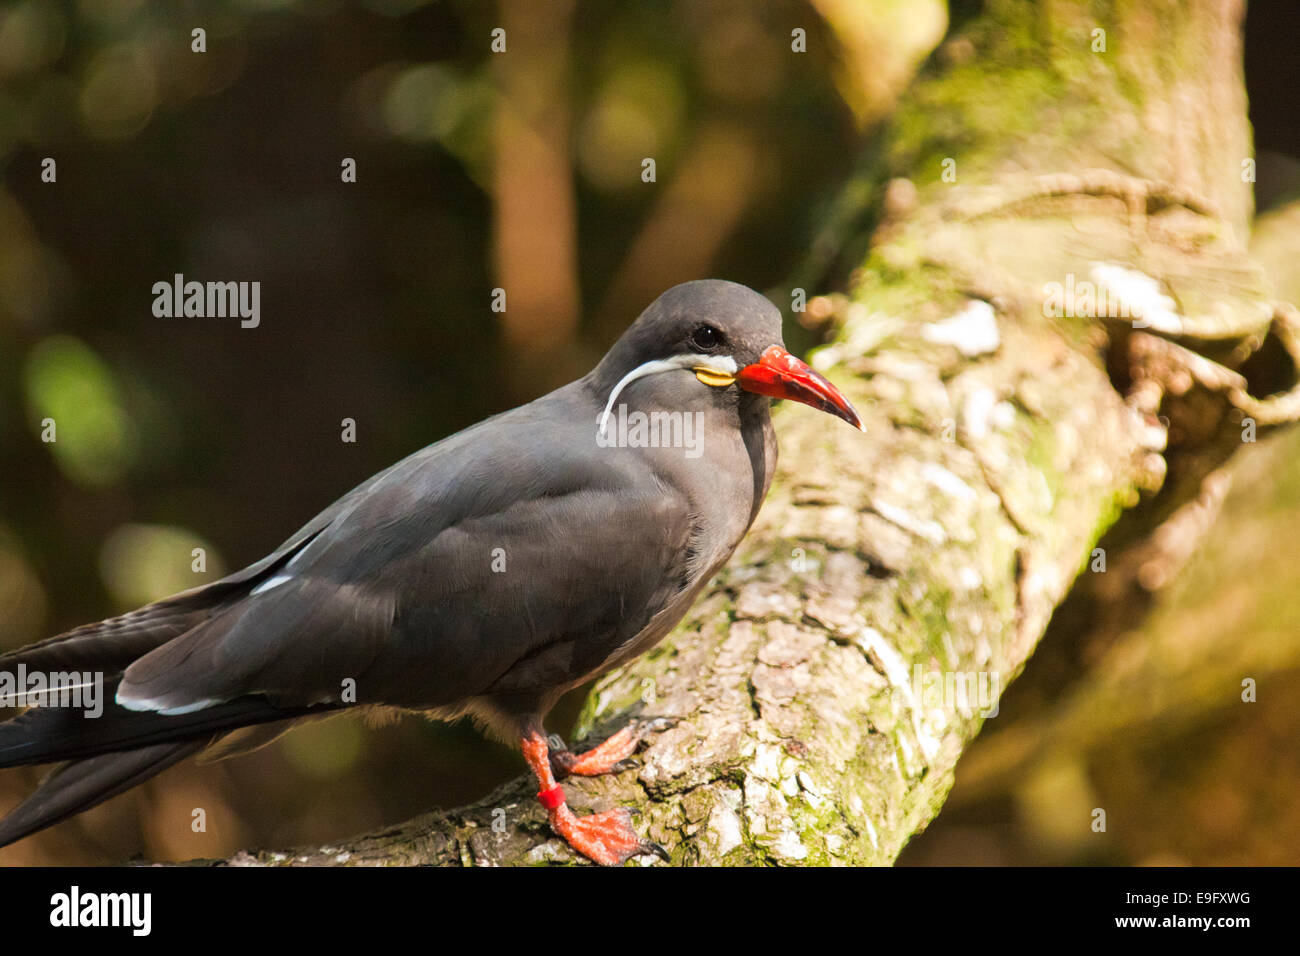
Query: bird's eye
{"x": 705, "y": 337}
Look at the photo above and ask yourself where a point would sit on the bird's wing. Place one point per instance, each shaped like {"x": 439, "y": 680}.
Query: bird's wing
{"x": 491, "y": 561}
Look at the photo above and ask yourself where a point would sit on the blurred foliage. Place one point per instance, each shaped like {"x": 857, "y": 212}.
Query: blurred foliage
{"x": 66, "y": 382}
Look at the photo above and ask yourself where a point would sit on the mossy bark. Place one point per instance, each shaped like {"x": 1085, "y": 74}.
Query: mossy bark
{"x": 1001, "y": 443}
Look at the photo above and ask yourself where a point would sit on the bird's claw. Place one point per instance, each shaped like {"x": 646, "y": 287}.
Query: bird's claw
{"x": 657, "y": 725}
{"x": 610, "y": 756}
{"x": 606, "y": 838}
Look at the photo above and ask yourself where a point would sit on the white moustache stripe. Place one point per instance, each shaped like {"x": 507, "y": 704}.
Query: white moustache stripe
{"x": 719, "y": 363}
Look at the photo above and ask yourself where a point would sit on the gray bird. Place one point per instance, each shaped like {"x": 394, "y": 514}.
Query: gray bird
{"x": 484, "y": 575}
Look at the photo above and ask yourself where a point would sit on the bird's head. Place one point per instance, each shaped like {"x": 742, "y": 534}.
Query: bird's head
{"x": 713, "y": 334}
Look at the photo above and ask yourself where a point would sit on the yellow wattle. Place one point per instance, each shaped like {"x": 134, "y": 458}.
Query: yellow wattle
{"x": 711, "y": 376}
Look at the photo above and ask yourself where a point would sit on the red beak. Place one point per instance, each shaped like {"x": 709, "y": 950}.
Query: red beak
{"x": 779, "y": 374}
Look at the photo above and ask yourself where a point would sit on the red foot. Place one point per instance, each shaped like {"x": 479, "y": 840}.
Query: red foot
{"x": 607, "y": 838}
{"x": 603, "y": 758}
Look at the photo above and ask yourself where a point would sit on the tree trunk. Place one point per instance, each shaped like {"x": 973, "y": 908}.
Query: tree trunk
{"x": 1012, "y": 419}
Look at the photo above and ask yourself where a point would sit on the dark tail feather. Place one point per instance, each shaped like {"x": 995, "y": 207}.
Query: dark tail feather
{"x": 82, "y": 784}
{"x": 108, "y": 645}
{"x": 113, "y": 752}
{"x": 122, "y": 748}
{"x": 50, "y": 734}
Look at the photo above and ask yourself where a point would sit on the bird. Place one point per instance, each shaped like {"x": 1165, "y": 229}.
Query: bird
{"x": 483, "y": 576}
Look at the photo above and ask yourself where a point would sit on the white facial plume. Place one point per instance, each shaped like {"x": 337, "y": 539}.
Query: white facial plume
{"x": 724, "y": 365}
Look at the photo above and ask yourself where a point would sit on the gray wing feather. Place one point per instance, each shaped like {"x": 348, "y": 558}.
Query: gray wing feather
{"x": 482, "y": 559}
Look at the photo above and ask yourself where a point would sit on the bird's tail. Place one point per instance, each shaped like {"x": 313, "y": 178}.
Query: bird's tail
{"x": 117, "y": 748}
{"x": 81, "y": 784}
{"x": 113, "y": 751}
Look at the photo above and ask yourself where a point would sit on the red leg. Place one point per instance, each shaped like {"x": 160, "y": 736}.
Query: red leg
{"x": 607, "y": 838}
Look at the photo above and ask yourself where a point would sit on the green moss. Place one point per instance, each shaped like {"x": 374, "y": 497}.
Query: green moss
{"x": 1041, "y": 454}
